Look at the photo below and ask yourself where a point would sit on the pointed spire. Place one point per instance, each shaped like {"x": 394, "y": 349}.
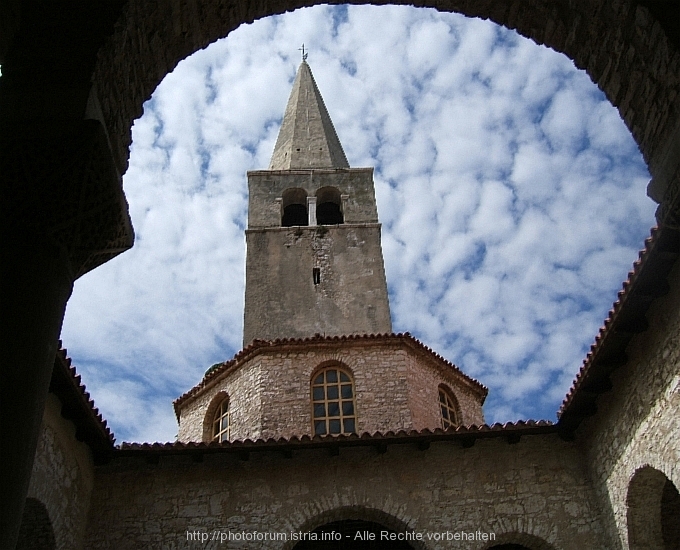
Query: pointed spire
{"x": 307, "y": 138}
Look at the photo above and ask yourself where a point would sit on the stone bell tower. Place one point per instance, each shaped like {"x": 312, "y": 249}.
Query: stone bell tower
{"x": 314, "y": 261}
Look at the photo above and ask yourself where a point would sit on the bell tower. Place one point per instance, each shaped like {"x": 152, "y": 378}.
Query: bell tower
{"x": 314, "y": 262}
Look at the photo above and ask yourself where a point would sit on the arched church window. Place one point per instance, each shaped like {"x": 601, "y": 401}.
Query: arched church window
{"x": 221, "y": 423}
{"x": 328, "y": 206}
{"x": 333, "y": 402}
{"x": 294, "y": 204}
{"x": 449, "y": 408}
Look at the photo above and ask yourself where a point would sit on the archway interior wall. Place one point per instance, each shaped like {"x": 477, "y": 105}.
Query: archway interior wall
{"x": 541, "y": 489}
{"x": 638, "y": 422}
{"x": 63, "y": 476}
{"x": 619, "y": 44}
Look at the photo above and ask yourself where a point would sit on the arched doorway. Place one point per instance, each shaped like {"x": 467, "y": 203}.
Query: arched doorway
{"x": 36, "y": 531}
{"x": 351, "y": 534}
{"x": 653, "y": 511}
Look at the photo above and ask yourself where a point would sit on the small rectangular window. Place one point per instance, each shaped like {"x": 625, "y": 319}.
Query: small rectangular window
{"x": 316, "y": 275}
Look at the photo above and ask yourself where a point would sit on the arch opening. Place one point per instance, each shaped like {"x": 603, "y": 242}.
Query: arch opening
{"x": 653, "y": 511}
{"x": 351, "y": 519}
{"x": 351, "y": 534}
{"x": 431, "y": 274}
{"x": 329, "y": 206}
{"x": 35, "y": 532}
{"x": 294, "y": 206}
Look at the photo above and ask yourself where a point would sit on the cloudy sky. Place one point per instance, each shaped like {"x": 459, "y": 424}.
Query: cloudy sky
{"x": 511, "y": 194}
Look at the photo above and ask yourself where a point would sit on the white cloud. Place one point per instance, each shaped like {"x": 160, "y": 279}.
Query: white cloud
{"x": 511, "y": 194}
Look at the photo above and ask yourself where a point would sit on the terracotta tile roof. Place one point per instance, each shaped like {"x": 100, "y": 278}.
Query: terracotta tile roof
{"x": 645, "y": 283}
{"x": 466, "y": 435}
{"x": 78, "y": 407}
{"x": 258, "y": 346}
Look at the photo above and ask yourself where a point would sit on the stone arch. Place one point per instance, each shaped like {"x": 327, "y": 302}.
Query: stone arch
{"x": 622, "y": 46}
{"x": 518, "y": 541}
{"x": 36, "y": 531}
{"x": 329, "y": 206}
{"x": 652, "y": 511}
{"x": 210, "y": 413}
{"x": 294, "y": 207}
{"x": 515, "y": 530}
{"x": 392, "y": 521}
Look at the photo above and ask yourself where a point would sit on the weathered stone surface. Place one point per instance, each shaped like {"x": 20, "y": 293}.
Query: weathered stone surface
{"x": 63, "y": 477}
{"x": 396, "y": 388}
{"x": 640, "y": 420}
{"x": 282, "y": 299}
{"x": 307, "y": 138}
{"x": 536, "y": 487}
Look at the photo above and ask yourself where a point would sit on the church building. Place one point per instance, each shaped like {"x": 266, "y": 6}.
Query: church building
{"x": 328, "y": 430}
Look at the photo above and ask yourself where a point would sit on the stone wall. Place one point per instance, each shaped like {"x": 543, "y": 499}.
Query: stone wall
{"x": 266, "y": 186}
{"x": 244, "y": 388}
{"x": 639, "y": 420}
{"x": 63, "y": 477}
{"x": 396, "y": 388}
{"x": 424, "y": 379}
{"x": 533, "y": 490}
{"x": 282, "y": 299}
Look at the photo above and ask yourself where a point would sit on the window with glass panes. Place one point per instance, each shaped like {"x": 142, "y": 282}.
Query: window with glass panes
{"x": 333, "y": 404}
{"x": 221, "y": 425}
{"x": 449, "y": 408}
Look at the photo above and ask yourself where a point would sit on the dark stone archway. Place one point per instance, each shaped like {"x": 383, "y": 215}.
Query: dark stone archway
{"x": 36, "y": 531}
{"x": 653, "y": 513}
{"x": 353, "y": 534}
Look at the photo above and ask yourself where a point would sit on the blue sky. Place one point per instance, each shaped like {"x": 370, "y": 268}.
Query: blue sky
{"x": 511, "y": 194}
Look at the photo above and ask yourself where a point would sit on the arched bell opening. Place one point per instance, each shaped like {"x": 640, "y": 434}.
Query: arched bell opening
{"x": 294, "y": 208}
{"x": 329, "y": 206}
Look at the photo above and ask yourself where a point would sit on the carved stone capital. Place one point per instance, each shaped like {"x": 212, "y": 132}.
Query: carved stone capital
{"x": 60, "y": 181}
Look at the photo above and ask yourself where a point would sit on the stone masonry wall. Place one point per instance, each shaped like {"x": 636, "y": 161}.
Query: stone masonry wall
{"x": 639, "y": 422}
{"x": 388, "y": 381}
{"x": 63, "y": 477}
{"x": 282, "y": 300}
{"x": 244, "y": 388}
{"x": 265, "y": 188}
{"x": 535, "y": 487}
{"x": 424, "y": 379}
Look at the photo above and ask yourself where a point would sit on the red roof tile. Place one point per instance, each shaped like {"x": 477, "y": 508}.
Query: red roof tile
{"x": 77, "y": 406}
{"x": 645, "y": 283}
{"x": 463, "y": 433}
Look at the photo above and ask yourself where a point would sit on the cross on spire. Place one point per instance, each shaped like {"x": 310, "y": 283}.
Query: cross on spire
{"x": 304, "y": 54}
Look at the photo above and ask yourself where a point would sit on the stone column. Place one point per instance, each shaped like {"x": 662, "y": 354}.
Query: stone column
{"x": 311, "y": 210}
{"x": 63, "y": 214}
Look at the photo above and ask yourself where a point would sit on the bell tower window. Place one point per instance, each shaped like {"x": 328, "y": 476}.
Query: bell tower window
{"x": 294, "y": 206}
{"x": 329, "y": 206}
